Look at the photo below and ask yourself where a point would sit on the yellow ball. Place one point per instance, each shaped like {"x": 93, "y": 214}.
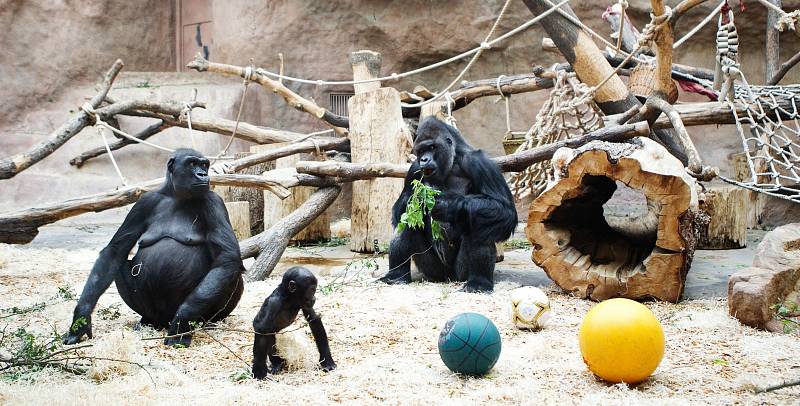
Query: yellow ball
{"x": 621, "y": 341}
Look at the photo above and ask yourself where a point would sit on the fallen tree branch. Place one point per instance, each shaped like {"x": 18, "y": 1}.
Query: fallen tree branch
{"x": 21, "y": 227}
{"x": 348, "y": 172}
{"x": 272, "y": 242}
{"x": 11, "y": 166}
{"x": 338, "y": 123}
{"x": 705, "y": 113}
{"x": 148, "y": 132}
{"x": 784, "y": 68}
{"x": 324, "y": 144}
{"x": 513, "y": 84}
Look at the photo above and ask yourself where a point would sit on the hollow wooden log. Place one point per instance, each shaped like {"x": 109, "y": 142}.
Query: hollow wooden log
{"x": 270, "y": 244}
{"x": 728, "y": 208}
{"x": 276, "y": 208}
{"x": 593, "y": 258}
{"x": 239, "y": 216}
{"x": 10, "y": 167}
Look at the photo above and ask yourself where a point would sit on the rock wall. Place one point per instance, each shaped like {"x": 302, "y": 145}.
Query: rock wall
{"x": 51, "y": 52}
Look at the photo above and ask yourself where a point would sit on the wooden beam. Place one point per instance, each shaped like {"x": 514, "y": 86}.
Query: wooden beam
{"x": 13, "y": 165}
{"x": 773, "y": 48}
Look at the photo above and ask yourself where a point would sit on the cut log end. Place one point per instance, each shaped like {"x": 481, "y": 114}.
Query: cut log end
{"x": 587, "y": 250}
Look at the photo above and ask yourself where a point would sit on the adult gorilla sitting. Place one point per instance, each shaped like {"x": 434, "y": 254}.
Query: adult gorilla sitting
{"x": 475, "y": 209}
{"x": 187, "y": 268}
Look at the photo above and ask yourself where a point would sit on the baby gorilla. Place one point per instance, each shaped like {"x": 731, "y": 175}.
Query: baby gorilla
{"x": 295, "y": 292}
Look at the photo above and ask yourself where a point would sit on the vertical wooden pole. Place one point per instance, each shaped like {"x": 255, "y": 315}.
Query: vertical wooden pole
{"x": 773, "y": 49}
{"x": 377, "y": 134}
{"x": 239, "y": 215}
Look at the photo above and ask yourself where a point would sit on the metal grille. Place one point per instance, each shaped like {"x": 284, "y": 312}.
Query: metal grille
{"x": 337, "y": 103}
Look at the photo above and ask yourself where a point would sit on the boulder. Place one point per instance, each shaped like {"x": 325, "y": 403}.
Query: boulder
{"x": 773, "y": 278}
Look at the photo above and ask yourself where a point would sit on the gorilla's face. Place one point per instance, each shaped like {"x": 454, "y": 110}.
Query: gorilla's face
{"x": 435, "y": 151}
{"x": 188, "y": 172}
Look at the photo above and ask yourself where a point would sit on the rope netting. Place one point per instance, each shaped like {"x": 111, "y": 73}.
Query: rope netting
{"x": 769, "y": 127}
{"x": 567, "y": 113}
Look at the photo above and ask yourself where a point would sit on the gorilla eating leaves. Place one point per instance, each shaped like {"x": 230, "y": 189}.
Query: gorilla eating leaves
{"x": 187, "y": 268}
{"x": 475, "y": 209}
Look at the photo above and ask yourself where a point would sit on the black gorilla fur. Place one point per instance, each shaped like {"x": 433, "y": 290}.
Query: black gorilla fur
{"x": 476, "y": 210}
{"x": 295, "y": 293}
{"x": 187, "y": 268}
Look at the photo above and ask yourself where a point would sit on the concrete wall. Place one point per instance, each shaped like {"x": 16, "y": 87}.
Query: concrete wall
{"x": 52, "y": 52}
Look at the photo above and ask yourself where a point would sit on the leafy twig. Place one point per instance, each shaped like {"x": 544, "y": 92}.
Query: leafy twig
{"x": 420, "y": 204}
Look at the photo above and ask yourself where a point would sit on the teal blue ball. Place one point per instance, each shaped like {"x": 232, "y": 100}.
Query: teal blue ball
{"x": 469, "y": 344}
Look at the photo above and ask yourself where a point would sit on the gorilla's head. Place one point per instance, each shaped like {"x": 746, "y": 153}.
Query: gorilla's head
{"x": 300, "y": 285}
{"x": 436, "y": 147}
{"x": 187, "y": 172}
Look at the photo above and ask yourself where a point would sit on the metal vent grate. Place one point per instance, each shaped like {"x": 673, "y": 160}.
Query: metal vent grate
{"x": 337, "y": 103}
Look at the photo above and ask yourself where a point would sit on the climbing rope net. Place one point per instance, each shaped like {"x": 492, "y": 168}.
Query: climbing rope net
{"x": 569, "y": 112}
{"x": 769, "y": 127}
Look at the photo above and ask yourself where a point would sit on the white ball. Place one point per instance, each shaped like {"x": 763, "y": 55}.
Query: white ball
{"x": 530, "y": 308}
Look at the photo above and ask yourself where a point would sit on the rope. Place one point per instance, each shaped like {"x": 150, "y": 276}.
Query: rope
{"x": 248, "y": 76}
{"x": 623, "y": 5}
{"x": 568, "y": 112}
{"x": 188, "y": 111}
{"x": 110, "y": 155}
{"x": 699, "y": 26}
{"x": 397, "y": 76}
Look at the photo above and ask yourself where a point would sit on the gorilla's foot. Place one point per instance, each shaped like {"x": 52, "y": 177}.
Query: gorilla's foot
{"x": 181, "y": 341}
{"x": 477, "y": 287}
{"x": 394, "y": 279}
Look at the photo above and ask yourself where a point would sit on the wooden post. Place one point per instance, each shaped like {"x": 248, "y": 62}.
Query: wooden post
{"x": 276, "y": 209}
{"x": 239, "y": 215}
{"x": 377, "y": 134}
{"x": 773, "y": 49}
{"x": 246, "y": 194}
{"x": 728, "y": 207}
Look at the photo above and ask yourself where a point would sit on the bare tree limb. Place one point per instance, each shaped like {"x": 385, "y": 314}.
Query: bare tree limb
{"x": 200, "y": 64}
{"x": 272, "y": 242}
{"x": 784, "y": 69}
{"x": 148, "y": 132}
{"x": 324, "y": 144}
{"x": 10, "y": 167}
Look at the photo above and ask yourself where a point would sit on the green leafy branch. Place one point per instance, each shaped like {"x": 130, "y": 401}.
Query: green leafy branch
{"x": 420, "y": 204}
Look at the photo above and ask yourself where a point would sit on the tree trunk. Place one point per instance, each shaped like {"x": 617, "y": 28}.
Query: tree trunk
{"x": 728, "y": 207}
{"x": 239, "y": 215}
{"x": 645, "y": 256}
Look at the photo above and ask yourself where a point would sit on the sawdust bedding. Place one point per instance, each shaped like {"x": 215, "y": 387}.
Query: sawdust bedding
{"x": 383, "y": 339}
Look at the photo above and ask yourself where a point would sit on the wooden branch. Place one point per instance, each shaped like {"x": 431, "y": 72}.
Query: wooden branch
{"x": 324, "y": 144}
{"x": 521, "y": 160}
{"x": 13, "y": 165}
{"x": 773, "y": 50}
{"x": 200, "y": 64}
{"x": 20, "y": 227}
{"x": 585, "y": 57}
{"x": 348, "y": 172}
{"x": 353, "y": 171}
{"x": 693, "y": 114}
{"x": 513, "y": 84}
{"x": 663, "y": 40}
{"x": 272, "y": 242}
{"x": 785, "y": 67}
{"x": 246, "y": 131}
{"x": 148, "y": 132}
{"x": 682, "y": 8}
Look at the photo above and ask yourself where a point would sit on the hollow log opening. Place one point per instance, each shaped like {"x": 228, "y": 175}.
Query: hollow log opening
{"x": 600, "y": 233}
{"x": 614, "y": 223}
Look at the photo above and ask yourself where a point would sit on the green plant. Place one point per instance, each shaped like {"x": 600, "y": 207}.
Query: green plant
{"x": 78, "y": 323}
{"x": 517, "y": 243}
{"x": 787, "y": 312}
{"x": 420, "y": 204}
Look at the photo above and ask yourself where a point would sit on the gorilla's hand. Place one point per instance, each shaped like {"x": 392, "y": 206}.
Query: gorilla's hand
{"x": 81, "y": 326}
{"x": 447, "y": 206}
